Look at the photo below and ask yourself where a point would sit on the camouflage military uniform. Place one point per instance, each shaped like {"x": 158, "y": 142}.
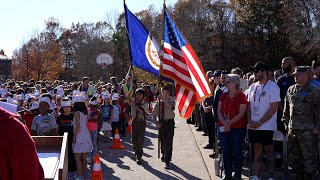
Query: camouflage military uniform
{"x": 301, "y": 113}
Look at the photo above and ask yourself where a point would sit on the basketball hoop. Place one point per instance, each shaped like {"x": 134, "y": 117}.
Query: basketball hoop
{"x": 104, "y": 60}
{"x": 104, "y": 65}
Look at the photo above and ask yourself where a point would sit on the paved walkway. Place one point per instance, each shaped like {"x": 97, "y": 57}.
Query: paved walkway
{"x": 187, "y": 161}
{"x": 190, "y": 160}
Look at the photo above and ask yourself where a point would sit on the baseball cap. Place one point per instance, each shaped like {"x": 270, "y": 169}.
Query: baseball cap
{"x": 217, "y": 73}
{"x": 259, "y": 66}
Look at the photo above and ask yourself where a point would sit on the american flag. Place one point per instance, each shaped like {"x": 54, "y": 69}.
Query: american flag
{"x": 181, "y": 64}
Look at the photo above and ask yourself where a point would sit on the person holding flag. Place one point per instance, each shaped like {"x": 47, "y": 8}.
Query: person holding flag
{"x": 179, "y": 63}
{"x": 164, "y": 111}
{"x": 143, "y": 50}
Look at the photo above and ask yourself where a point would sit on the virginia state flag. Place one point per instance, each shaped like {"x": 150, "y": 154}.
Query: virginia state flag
{"x": 143, "y": 47}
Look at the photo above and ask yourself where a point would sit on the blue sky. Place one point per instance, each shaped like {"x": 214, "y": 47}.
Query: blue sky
{"x": 20, "y": 18}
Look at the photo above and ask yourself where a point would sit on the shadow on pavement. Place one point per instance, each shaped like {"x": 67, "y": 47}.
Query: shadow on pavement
{"x": 109, "y": 154}
{"x": 182, "y": 172}
{"x": 151, "y": 135}
{"x": 109, "y": 171}
{"x": 157, "y": 173}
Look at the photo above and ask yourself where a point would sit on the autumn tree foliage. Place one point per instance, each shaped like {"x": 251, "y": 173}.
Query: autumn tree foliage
{"x": 225, "y": 34}
{"x": 41, "y": 57}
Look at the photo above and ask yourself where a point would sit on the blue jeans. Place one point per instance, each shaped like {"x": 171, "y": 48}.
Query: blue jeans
{"x": 231, "y": 146}
{"x": 94, "y": 138}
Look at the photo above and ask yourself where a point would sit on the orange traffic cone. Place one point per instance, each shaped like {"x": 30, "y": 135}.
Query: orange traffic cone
{"x": 116, "y": 141}
{"x": 129, "y": 129}
{"x": 96, "y": 170}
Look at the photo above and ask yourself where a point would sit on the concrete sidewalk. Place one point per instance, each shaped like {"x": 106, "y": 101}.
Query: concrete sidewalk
{"x": 203, "y": 141}
{"x": 187, "y": 160}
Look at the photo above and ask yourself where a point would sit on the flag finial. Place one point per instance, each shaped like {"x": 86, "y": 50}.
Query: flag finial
{"x": 164, "y": 2}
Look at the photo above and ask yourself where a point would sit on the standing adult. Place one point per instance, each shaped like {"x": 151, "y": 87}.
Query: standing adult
{"x": 224, "y": 73}
{"x": 232, "y": 126}
{"x": 287, "y": 79}
{"x": 208, "y": 116}
{"x": 217, "y": 93}
{"x": 19, "y": 159}
{"x": 284, "y": 82}
{"x": 115, "y": 84}
{"x": 127, "y": 87}
{"x": 302, "y": 115}
{"x": 85, "y": 87}
{"x": 263, "y": 97}
{"x": 243, "y": 82}
{"x": 216, "y": 98}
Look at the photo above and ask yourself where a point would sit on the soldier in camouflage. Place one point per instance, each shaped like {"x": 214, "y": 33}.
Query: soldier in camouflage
{"x": 302, "y": 116}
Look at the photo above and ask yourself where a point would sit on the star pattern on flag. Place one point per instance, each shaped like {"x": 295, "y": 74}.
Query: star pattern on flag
{"x": 172, "y": 37}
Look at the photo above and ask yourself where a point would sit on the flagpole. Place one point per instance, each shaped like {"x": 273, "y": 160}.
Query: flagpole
{"x": 129, "y": 47}
{"x": 160, "y": 81}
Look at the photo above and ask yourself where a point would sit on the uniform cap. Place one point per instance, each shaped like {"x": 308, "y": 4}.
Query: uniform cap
{"x": 300, "y": 69}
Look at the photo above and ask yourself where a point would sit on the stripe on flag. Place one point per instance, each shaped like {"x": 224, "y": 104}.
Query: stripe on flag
{"x": 181, "y": 64}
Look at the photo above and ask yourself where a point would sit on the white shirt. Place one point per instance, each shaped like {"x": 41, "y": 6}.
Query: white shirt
{"x": 116, "y": 113}
{"x": 260, "y": 97}
{"x": 246, "y": 92}
{"x": 243, "y": 85}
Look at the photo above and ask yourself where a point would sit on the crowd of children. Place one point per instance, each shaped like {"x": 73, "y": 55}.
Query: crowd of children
{"x": 83, "y": 113}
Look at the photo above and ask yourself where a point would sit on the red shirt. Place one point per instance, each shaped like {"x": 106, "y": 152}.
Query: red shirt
{"x": 124, "y": 110}
{"x": 18, "y": 155}
{"x": 28, "y": 118}
{"x": 230, "y": 107}
{"x": 92, "y": 124}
